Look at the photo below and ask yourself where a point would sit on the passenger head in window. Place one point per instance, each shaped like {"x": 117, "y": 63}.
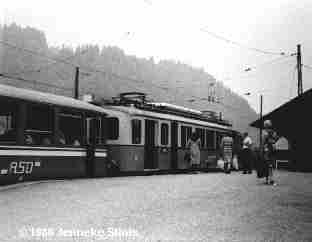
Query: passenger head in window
{"x": 194, "y": 136}
{"x": 46, "y": 141}
{"x": 76, "y": 142}
{"x": 61, "y": 138}
{"x": 29, "y": 139}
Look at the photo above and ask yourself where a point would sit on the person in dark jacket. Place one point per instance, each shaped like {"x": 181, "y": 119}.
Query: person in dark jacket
{"x": 269, "y": 138}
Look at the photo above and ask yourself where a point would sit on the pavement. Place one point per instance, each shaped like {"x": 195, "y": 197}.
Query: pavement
{"x": 176, "y": 207}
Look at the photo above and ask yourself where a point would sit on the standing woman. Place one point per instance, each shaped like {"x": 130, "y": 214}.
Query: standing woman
{"x": 227, "y": 152}
{"x": 193, "y": 144}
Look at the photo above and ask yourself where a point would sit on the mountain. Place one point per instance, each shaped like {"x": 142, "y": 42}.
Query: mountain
{"x": 107, "y": 71}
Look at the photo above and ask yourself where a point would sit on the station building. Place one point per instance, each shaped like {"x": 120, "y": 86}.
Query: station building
{"x": 293, "y": 121}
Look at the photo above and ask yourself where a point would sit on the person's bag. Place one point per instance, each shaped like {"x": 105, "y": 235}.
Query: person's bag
{"x": 220, "y": 164}
{"x": 187, "y": 156}
{"x": 235, "y": 163}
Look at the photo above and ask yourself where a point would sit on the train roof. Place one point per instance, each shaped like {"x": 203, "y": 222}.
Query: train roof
{"x": 47, "y": 98}
{"x": 132, "y": 110}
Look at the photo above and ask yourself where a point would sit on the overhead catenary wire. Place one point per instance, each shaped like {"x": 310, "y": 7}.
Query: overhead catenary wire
{"x": 39, "y": 69}
{"x": 34, "y": 82}
{"x": 91, "y": 69}
{"x": 216, "y": 36}
{"x": 42, "y": 55}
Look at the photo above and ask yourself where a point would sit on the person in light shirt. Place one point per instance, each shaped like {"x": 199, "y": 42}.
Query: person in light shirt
{"x": 246, "y": 154}
{"x": 227, "y": 152}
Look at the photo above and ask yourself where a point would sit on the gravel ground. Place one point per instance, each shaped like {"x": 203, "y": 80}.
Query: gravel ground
{"x": 184, "y": 207}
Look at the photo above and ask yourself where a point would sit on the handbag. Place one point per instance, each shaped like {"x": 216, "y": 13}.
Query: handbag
{"x": 187, "y": 156}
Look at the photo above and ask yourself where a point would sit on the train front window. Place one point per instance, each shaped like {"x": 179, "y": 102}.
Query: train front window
{"x": 112, "y": 128}
{"x": 8, "y": 122}
{"x": 39, "y": 125}
{"x": 70, "y": 129}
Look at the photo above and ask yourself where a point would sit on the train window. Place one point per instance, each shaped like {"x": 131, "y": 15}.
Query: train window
{"x": 136, "y": 131}
{"x": 103, "y": 130}
{"x": 164, "y": 138}
{"x": 210, "y": 139}
{"x": 112, "y": 128}
{"x": 8, "y": 114}
{"x": 186, "y": 133}
{"x": 70, "y": 129}
{"x": 218, "y": 140}
{"x": 39, "y": 125}
{"x": 201, "y": 135}
{"x": 93, "y": 132}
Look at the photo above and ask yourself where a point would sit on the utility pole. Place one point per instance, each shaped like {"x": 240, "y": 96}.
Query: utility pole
{"x": 261, "y": 124}
{"x": 299, "y": 69}
{"x": 77, "y": 83}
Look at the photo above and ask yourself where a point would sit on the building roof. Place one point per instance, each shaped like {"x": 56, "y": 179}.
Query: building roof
{"x": 47, "y": 98}
{"x": 292, "y": 117}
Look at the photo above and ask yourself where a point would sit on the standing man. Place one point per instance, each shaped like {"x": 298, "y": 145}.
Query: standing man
{"x": 269, "y": 139}
{"x": 246, "y": 154}
{"x": 227, "y": 152}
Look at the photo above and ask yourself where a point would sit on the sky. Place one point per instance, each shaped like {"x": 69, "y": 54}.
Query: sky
{"x": 185, "y": 31}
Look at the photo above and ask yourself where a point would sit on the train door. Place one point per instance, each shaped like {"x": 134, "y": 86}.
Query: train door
{"x": 150, "y": 149}
{"x": 174, "y": 145}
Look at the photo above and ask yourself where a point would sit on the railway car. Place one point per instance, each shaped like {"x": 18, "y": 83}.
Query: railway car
{"x": 46, "y": 136}
{"x": 153, "y": 136}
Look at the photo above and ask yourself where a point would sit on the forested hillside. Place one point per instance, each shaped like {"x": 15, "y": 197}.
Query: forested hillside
{"x": 107, "y": 71}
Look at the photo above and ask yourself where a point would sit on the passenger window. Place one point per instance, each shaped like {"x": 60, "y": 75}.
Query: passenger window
{"x": 39, "y": 125}
{"x": 70, "y": 129}
{"x": 112, "y": 128}
{"x": 210, "y": 139}
{"x": 201, "y": 134}
{"x": 8, "y": 114}
{"x": 218, "y": 140}
{"x": 186, "y": 133}
{"x": 164, "y": 138}
{"x": 136, "y": 131}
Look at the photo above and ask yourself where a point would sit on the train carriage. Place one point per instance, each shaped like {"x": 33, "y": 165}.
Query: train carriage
{"x": 153, "y": 136}
{"x": 45, "y": 136}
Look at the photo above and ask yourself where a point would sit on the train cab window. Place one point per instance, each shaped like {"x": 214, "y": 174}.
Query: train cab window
{"x": 210, "y": 139}
{"x": 112, "y": 128}
{"x": 39, "y": 125}
{"x": 93, "y": 132}
{"x": 70, "y": 129}
{"x": 8, "y": 113}
{"x": 136, "y": 131}
{"x": 164, "y": 138}
{"x": 186, "y": 133}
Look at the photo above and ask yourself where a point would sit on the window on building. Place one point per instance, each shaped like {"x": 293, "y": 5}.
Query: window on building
{"x": 210, "y": 139}
{"x": 70, "y": 128}
{"x": 136, "y": 131}
{"x": 112, "y": 128}
{"x": 8, "y": 113}
{"x": 39, "y": 125}
{"x": 164, "y": 134}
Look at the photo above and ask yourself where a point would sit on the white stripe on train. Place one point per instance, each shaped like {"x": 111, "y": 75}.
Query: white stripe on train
{"x": 59, "y": 153}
